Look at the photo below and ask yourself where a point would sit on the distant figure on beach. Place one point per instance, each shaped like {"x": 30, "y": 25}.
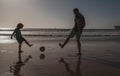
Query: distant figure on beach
{"x": 77, "y": 29}
{"x": 17, "y": 34}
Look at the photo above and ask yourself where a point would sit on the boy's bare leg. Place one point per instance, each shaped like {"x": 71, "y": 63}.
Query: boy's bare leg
{"x": 28, "y": 43}
{"x": 20, "y": 51}
{"x": 19, "y": 47}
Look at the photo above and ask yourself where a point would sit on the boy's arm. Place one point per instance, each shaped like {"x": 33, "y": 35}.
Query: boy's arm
{"x": 12, "y": 34}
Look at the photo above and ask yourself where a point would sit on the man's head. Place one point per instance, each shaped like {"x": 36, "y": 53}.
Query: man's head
{"x": 20, "y": 25}
{"x": 76, "y": 11}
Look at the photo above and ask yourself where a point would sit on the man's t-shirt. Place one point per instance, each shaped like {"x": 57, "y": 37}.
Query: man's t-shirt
{"x": 80, "y": 18}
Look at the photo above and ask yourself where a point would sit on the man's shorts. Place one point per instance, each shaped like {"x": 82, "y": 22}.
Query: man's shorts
{"x": 75, "y": 33}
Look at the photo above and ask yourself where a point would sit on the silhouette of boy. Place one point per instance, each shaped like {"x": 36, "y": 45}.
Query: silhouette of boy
{"x": 16, "y": 68}
{"x": 77, "y": 29}
{"x": 17, "y": 34}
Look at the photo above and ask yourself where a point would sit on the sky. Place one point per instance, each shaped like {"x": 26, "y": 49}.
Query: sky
{"x": 99, "y": 14}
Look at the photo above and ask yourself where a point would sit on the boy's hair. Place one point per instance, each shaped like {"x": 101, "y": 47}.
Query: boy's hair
{"x": 20, "y": 25}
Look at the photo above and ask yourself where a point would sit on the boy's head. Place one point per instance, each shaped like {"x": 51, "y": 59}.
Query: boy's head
{"x": 20, "y": 25}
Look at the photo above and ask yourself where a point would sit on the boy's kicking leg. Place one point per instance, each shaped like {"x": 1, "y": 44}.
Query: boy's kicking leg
{"x": 27, "y": 42}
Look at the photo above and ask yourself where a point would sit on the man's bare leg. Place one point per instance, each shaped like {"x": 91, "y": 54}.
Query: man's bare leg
{"x": 66, "y": 41}
{"x": 79, "y": 46}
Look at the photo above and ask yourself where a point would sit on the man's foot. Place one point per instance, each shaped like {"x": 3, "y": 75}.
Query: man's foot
{"x": 60, "y": 45}
{"x": 30, "y": 45}
{"x": 79, "y": 53}
{"x": 61, "y": 60}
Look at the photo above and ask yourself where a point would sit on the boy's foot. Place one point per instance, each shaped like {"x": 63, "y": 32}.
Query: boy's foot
{"x": 60, "y": 45}
{"x": 30, "y": 56}
{"x": 21, "y": 51}
{"x": 61, "y": 60}
{"x": 19, "y": 62}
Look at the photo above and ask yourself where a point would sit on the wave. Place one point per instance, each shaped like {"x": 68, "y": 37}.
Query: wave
{"x": 63, "y": 32}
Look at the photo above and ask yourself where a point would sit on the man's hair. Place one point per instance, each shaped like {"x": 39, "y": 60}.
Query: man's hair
{"x": 76, "y": 9}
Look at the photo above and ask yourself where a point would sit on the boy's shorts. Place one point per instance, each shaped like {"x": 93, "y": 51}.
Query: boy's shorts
{"x": 20, "y": 40}
{"x": 75, "y": 33}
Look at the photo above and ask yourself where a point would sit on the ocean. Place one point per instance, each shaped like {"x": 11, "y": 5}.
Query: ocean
{"x": 58, "y": 34}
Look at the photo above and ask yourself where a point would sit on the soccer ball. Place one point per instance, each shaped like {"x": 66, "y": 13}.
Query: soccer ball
{"x": 42, "y": 48}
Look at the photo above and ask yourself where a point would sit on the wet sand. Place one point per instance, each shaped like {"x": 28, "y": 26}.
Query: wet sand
{"x": 99, "y": 58}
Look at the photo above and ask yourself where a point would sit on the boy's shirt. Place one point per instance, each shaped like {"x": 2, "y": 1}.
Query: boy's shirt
{"x": 18, "y": 33}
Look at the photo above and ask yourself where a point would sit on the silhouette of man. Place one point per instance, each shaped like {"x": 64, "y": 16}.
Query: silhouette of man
{"x": 77, "y": 29}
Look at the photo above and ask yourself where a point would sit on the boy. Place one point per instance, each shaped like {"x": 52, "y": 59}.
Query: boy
{"x": 17, "y": 34}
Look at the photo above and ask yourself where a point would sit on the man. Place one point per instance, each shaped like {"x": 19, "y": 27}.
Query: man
{"x": 77, "y": 29}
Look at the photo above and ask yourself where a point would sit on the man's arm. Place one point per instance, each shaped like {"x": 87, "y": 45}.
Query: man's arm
{"x": 78, "y": 24}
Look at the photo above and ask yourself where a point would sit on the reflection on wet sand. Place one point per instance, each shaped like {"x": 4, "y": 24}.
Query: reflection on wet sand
{"x": 77, "y": 71}
{"x": 16, "y": 68}
{"x": 42, "y": 56}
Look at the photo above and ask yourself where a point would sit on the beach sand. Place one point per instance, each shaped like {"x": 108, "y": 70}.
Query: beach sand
{"x": 99, "y": 58}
